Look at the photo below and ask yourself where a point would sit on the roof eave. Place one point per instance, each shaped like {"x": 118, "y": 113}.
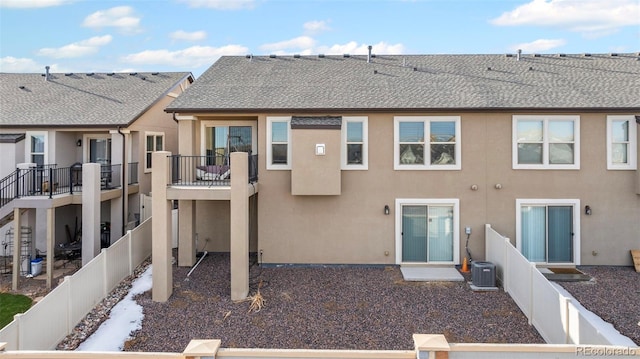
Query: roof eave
{"x": 401, "y": 110}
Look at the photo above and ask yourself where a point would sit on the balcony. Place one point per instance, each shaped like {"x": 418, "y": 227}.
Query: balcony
{"x": 49, "y": 181}
{"x": 206, "y": 171}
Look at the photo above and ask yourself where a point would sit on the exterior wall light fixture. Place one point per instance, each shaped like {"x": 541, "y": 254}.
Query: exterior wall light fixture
{"x": 79, "y": 143}
{"x": 587, "y": 210}
{"x": 386, "y": 209}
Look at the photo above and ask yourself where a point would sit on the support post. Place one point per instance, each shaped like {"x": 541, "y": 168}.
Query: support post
{"x": 239, "y": 226}
{"x": 17, "y": 248}
{"x": 51, "y": 239}
{"x": 161, "y": 228}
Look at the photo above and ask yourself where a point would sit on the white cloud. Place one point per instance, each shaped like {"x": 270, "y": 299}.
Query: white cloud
{"x": 25, "y": 65}
{"x": 12, "y": 64}
{"x": 188, "y": 58}
{"x": 316, "y": 26}
{"x": 585, "y": 16}
{"x": 221, "y": 4}
{"x": 188, "y": 36}
{"x": 354, "y": 48}
{"x": 539, "y": 45}
{"x": 77, "y": 49}
{"x": 121, "y": 17}
{"x": 305, "y": 45}
{"x": 300, "y": 43}
{"x": 33, "y": 3}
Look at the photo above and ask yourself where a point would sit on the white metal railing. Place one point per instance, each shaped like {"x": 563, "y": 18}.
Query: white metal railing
{"x": 555, "y": 316}
{"x": 45, "y": 324}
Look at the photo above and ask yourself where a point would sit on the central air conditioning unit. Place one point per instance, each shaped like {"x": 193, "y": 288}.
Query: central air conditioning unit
{"x": 483, "y": 274}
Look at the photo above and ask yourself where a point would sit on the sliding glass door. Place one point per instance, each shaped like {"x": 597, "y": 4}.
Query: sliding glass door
{"x": 427, "y": 233}
{"x": 547, "y": 233}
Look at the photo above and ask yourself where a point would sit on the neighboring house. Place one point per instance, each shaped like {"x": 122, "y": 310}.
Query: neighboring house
{"x": 403, "y": 160}
{"x": 53, "y": 123}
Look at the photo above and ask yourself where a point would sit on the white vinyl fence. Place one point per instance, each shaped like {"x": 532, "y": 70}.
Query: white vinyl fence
{"x": 554, "y": 315}
{"x": 45, "y": 324}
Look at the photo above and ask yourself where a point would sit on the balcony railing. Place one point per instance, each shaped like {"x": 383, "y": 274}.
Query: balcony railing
{"x": 206, "y": 170}
{"x": 48, "y": 180}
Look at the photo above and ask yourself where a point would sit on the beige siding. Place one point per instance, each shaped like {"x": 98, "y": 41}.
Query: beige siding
{"x": 352, "y": 227}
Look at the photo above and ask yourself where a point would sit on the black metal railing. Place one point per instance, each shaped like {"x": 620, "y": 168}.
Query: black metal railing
{"x": 48, "y": 180}
{"x": 212, "y": 170}
{"x": 253, "y": 168}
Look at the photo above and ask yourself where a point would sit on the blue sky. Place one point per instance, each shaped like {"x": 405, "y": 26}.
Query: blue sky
{"x": 190, "y": 35}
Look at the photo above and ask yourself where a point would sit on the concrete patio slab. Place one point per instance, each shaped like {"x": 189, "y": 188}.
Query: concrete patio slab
{"x": 431, "y": 274}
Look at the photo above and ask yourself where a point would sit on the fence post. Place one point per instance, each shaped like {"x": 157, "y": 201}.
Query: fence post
{"x": 130, "y": 251}
{"x": 506, "y": 270}
{"x": 67, "y": 281}
{"x": 105, "y": 270}
{"x": 18, "y": 319}
{"x": 532, "y": 267}
{"x": 567, "y": 318}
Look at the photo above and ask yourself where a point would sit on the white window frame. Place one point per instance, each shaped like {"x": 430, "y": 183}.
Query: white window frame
{"x": 427, "y": 144}
{"x": 270, "y": 121}
{"x": 632, "y": 144}
{"x": 575, "y": 203}
{"x": 155, "y": 135}
{"x": 365, "y": 143}
{"x": 28, "y": 153}
{"x": 545, "y": 165}
{"x": 454, "y": 202}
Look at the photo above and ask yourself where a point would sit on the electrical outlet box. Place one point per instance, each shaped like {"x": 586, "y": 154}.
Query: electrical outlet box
{"x": 467, "y": 230}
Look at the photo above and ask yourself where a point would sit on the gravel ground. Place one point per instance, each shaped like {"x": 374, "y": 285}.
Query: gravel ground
{"x": 315, "y": 307}
{"x": 613, "y": 294}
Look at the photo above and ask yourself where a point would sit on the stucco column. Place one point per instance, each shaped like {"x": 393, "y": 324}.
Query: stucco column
{"x": 51, "y": 240}
{"x": 187, "y": 135}
{"x": 17, "y": 247}
{"x": 120, "y": 205}
{"x": 239, "y": 226}
{"x": 90, "y": 211}
{"x": 186, "y": 233}
{"x": 161, "y": 229}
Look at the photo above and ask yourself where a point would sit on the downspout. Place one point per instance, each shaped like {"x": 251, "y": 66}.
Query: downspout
{"x": 125, "y": 183}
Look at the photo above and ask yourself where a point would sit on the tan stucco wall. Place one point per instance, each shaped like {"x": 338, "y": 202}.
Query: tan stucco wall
{"x": 313, "y": 174}
{"x": 154, "y": 120}
{"x": 352, "y": 228}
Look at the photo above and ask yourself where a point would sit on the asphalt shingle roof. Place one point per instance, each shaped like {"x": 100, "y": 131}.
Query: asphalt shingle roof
{"x": 81, "y": 99}
{"x": 409, "y": 82}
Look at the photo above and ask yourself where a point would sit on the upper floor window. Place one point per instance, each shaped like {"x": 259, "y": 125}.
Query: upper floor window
{"x": 546, "y": 142}
{"x": 278, "y": 143}
{"x": 37, "y": 148}
{"x": 224, "y": 137}
{"x": 427, "y": 143}
{"x": 154, "y": 142}
{"x": 621, "y": 143}
{"x": 354, "y": 143}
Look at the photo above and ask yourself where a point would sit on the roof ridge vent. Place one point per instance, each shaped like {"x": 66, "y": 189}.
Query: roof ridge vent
{"x": 562, "y": 55}
{"x": 272, "y": 56}
{"x": 321, "y": 56}
{"x": 90, "y": 74}
{"x": 346, "y": 55}
{"x": 296, "y": 56}
{"x": 614, "y": 54}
